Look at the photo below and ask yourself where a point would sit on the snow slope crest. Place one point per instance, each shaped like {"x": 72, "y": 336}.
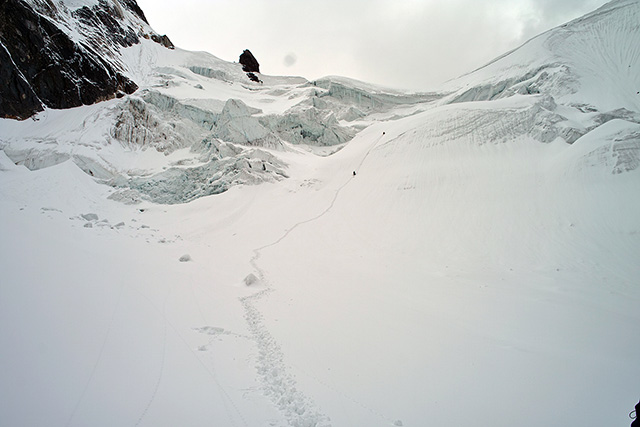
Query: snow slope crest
{"x": 579, "y": 76}
{"x": 589, "y": 61}
{"x": 105, "y": 25}
{"x": 66, "y": 54}
{"x": 197, "y": 125}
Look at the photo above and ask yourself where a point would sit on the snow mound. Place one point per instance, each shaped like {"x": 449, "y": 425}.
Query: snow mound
{"x": 251, "y": 279}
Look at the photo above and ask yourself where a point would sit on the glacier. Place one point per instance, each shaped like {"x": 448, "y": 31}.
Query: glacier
{"x": 200, "y": 252}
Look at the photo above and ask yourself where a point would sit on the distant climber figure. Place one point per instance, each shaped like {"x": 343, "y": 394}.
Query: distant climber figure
{"x": 354, "y": 173}
{"x": 383, "y": 133}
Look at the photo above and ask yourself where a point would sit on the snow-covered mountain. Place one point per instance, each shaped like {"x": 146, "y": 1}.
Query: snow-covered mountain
{"x": 587, "y": 66}
{"x": 588, "y": 62}
{"x": 365, "y": 257}
{"x": 66, "y": 54}
{"x": 206, "y": 115}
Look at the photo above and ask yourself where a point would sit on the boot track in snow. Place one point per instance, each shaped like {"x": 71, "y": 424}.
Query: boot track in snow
{"x": 278, "y": 384}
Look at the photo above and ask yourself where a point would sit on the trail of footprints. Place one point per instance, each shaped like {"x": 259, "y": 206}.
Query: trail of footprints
{"x": 278, "y": 384}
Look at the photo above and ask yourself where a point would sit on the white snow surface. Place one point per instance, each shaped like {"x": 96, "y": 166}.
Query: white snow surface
{"x": 591, "y": 61}
{"x": 476, "y": 269}
{"x": 77, "y": 4}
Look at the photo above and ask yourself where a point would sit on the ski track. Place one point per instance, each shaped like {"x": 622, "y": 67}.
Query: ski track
{"x": 95, "y": 366}
{"x": 211, "y": 370}
{"x": 278, "y": 384}
{"x": 227, "y": 401}
{"x": 346, "y": 396}
{"x": 164, "y": 353}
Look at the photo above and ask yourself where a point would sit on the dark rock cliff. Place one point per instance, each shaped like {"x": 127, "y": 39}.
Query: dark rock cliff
{"x": 249, "y": 62}
{"x": 17, "y": 99}
{"x": 42, "y": 66}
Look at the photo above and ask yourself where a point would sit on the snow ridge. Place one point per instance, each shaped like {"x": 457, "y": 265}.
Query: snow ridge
{"x": 588, "y": 61}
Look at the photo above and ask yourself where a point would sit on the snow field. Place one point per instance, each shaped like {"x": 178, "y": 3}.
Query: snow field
{"x": 458, "y": 278}
{"x": 481, "y": 264}
{"x": 99, "y": 324}
{"x": 447, "y": 277}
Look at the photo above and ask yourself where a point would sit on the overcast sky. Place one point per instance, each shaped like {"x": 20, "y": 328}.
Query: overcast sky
{"x": 412, "y": 44}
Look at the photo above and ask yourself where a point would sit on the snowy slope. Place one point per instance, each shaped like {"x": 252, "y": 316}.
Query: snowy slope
{"x": 590, "y": 62}
{"x": 455, "y": 279}
{"x": 206, "y": 109}
{"x": 477, "y": 268}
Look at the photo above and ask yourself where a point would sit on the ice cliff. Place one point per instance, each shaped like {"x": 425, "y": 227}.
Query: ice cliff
{"x": 207, "y": 127}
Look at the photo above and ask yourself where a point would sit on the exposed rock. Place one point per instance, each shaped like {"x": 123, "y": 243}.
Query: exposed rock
{"x": 163, "y": 40}
{"x": 17, "y": 99}
{"x": 57, "y": 56}
{"x": 43, "y": 65}
{"x": 249, "y": 62}
{"x": 133, "y": 7}
{"x": 107, "y": 17}
{"x": 254, "y": 78}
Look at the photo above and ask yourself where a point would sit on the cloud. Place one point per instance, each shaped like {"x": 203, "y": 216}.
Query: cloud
{"x": 413, "y": 44}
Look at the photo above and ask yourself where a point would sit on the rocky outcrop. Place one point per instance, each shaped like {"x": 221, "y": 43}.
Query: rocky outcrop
{"x": 17, "y": 99}
{"x": 135, "y": 9}
{"x": 163, "y": 40}
{"x": 46, "y": 67}
{"x": 106, "y": 16}
{"x": 249, "y": 62}
{"x": 55, "y": 56}
{"x": 254, "y": 78}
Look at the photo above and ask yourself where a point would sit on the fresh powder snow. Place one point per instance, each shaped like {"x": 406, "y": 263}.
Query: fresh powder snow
{"x": 480, "y": 267}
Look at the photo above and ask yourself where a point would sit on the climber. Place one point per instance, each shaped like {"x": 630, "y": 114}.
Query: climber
{"x": 354, "y": 173}
{"x": 383, "y": 133}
